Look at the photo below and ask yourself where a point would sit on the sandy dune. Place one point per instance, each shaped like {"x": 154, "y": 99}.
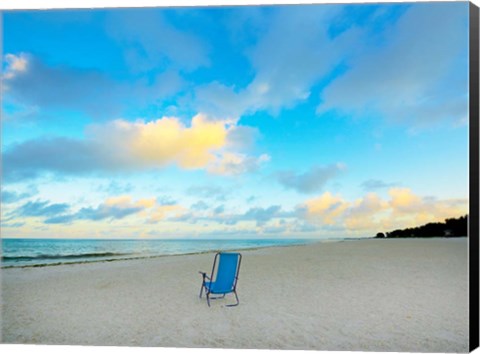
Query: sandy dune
{"x": 369, "y": 295}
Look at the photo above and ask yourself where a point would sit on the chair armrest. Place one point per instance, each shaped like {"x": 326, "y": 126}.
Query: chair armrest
{"x": 204, "y": 275}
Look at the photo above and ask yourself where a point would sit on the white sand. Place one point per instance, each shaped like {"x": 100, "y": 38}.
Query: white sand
{"x": 369, "y": 295}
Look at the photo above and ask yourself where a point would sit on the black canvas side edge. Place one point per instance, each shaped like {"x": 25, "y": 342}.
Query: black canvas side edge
{"x": 473, "y": 225}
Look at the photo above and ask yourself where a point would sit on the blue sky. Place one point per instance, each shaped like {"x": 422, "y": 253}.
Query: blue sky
{"x": 260, "y": 121}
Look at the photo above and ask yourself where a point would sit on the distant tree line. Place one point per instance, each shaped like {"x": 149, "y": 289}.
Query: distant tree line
{"x": 450, "y": 228}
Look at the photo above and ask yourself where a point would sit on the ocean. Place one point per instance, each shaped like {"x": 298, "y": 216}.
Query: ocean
{"x": 40, "y": 252}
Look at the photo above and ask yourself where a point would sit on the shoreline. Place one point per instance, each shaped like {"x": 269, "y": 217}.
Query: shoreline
{"x": 165, "y": 255}
{"x": 312, "y": 242}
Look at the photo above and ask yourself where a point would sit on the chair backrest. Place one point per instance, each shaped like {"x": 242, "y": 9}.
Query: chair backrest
{"x": 227, "y": 270}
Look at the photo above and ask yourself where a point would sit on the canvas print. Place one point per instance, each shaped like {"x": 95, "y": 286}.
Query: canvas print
{"x": 270, "y": 177}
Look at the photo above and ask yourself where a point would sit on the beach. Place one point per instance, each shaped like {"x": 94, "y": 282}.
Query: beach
{"x": 366, "y": 295}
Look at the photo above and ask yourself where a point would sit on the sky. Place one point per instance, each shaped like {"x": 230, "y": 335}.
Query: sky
{"x": 305, "y": 121}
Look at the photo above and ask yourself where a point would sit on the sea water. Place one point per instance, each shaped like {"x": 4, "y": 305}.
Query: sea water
{"x": 39, "y": 252}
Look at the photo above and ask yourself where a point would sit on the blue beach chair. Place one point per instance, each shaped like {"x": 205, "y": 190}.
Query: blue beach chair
{"x": 226, "y": 277}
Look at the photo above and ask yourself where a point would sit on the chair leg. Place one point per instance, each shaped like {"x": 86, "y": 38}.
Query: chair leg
{"x": 238, "y": 301}
{"x": 201, "y": 290}
{"x": 208, "y": 298}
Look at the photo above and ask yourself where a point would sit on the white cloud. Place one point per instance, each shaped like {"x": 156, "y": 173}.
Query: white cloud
{"x": 32, "y": 85}
{"x": 310, "y": 181}
{"x": 418, "y": 74}
{"x": 291, "y": 54}
{"x": 414, "y": 69}
{"x": 151, "y": 42}
{"x": 30, "y": 82}
{"x": 230, "y": 164}
{"x": 374, "y": 184}
{"x": 15, "y": 64}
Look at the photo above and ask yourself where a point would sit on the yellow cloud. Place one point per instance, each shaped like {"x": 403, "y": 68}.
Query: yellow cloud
{"x": 402, "y": 199}
{"x": 163, "y": 211}
{"x": 411, "y": 209}
{"x": 168, "y": 139}
{"x": 126, "y": 201}
{"x": 366, "y": 212}
{"x": 372, "y": 213}
{"x": 326, "y": 208}
{"x": 146, "y": 203}
{"x": 120, "y": 201}
{"x": 203, "y": 144}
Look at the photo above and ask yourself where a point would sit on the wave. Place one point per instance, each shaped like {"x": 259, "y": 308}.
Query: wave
{"x": 15, "y": 258}
{"x": 62, "y": 256}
